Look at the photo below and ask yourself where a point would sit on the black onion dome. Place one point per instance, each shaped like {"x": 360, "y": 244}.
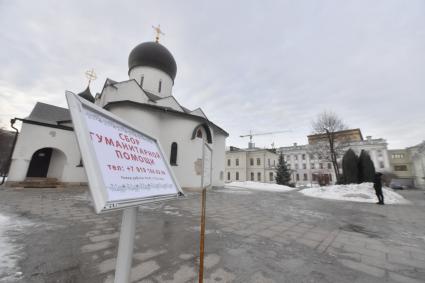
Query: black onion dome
{"x": 155, "y": 55}
{"x": 86, "y": 94}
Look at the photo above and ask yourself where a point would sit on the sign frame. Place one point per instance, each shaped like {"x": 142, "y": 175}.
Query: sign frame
{"x": 94, "y": 175}
{"x": 206, "y": 148}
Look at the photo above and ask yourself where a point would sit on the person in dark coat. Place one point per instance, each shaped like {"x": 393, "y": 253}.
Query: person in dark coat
{"x": 377, "y": 185}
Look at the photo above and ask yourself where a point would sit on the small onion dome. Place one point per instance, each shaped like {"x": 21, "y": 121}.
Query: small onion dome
{"x": 155, "y": 55}
{"x": 86, "y": 94}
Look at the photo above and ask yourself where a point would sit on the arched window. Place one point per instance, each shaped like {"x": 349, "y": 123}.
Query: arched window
{"x": 199, "y": 133}
{"x": 173, "y": 155}
{"x": 159, "y": 86}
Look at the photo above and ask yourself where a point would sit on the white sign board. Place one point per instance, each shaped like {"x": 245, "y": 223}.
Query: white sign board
{"x": 206, "y": 166}
{"x": 124, "y": 166}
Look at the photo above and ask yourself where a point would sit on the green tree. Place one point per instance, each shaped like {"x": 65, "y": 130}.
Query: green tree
{"x": 350, "y": 167}
{"x": 365, "y": 167}
{"x": 283, "y": 175}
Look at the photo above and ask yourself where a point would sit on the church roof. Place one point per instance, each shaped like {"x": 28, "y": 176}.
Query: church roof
{"x": 50, "y": 114}
{"x": 86, "y": 94}
{"x": 155, "y": 55}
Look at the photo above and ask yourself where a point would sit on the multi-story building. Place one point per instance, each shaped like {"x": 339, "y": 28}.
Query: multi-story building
{"x": 252, "y": 164}
{"x": 417, "y": 154}
{"x": 401, "y": 165}
{"x": 307, "y": 168}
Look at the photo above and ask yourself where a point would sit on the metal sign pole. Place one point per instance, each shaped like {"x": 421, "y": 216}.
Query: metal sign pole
{"x": 202, "y": 245}
{"x": 125, "y": 246}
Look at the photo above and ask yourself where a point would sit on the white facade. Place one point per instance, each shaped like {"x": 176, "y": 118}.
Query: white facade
{"x": 305, "y": 166}
{"x": 155, "y": 81}
{"x": 254, "y": 164}
{"x": 417, "y": 154}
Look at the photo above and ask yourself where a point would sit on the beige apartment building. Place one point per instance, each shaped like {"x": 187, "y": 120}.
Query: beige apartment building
{"x": 252, "y": 164}
{"x": 401, "y": 165}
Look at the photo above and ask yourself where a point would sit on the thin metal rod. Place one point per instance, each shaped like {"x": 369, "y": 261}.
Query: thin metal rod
{"x": 125, "y": 247}
{"x": 202, "y": 246}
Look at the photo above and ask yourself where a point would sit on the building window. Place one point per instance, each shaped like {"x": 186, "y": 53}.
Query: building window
{"x": 228, "y": 162}
{"x": 159, "y": 86}
{"x": 252, "y": 176}
{"x": 173, "y": 155}
{"x": 237, "y": 176}
{"x": 305, "y": 177}
{"x": 397, "y": 156}
{"x": 296, "y": 156}
{"x": 81, "y": 163}
{"x": 312, "y": 165}
{"x": 381, "y": 164}
{"x": 251, "y": 161}
{"x": 141, "y": 81}
{"x": 304, "y": 166}
{"x": 274, "y": 162}
{"x": 321, "y": 165}
{"x": 298, "y": 177}
{"x": 296, "y": 166}
{"x": 400, "y": 167}
{"x": 271, "y": 176}
{"x": 268, "y": 162}
{"x": 330, "y": 177}
{"x": 199, "y": 133}
{"x": 258, "y": 161}
{"x": 228, "y": 176}
{"x": 313, "y": 177}
{"x": 258, "y": 176}
{"x": 329, "y": 165}
{"x": 237, "y": 161}
{"x": 303, "y": 156}
{"x": 379, "y": 153}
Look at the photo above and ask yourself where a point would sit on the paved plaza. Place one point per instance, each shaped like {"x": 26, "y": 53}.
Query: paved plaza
{"x": 53, "y": 235}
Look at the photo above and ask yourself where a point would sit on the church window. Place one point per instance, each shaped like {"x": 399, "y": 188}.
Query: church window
{"x": 252, "y": 176}
{"x": 173, "y": 155}
{"x": 199, "y": 133}
{"x": 258, "y": 176}
{"x": 237, "y": 176}
{"x": 141, "y": 82}
{"x": 159, "y": 86}
{"x": 228, "y": 175}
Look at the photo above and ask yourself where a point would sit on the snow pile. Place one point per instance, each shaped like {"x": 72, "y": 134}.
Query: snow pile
{"x": 354, "y": 192}
{"x": 259, "y": 186}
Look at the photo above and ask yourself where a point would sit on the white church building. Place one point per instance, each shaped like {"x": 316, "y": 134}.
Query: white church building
{"x": 47, "y": 149}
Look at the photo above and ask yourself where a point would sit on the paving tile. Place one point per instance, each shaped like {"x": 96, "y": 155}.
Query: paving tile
{"x": 374, "y": 271}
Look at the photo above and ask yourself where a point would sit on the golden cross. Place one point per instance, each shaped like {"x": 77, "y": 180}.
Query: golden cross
{"x": 158, "y": 32}
{"x": 91, "y": 75}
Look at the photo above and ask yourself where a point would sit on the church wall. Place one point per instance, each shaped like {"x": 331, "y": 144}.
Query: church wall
{"x": 151, "y": 78}
{"x": 123, "y": 91}
{"x": 219, "y": 156}
{"x": 33, "y": 138}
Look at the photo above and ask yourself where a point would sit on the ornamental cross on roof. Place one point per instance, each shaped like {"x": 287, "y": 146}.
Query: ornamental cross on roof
{"x": 91, "y": 75}
{"x": 158, "y": 32}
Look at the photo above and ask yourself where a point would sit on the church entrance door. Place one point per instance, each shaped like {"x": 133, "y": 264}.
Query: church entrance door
{"x": 40, "y": 162}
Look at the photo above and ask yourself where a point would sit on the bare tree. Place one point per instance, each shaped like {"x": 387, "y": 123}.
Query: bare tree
{"x": 328, "y": 147}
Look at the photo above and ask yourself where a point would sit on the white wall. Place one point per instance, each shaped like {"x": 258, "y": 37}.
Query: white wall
{"x": 128, "y": 90}
{"x": 35, "y": 137}
{"x": 151, "y": 78}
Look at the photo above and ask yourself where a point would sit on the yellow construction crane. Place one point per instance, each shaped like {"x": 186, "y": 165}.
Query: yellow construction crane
{"x": 250, "y": 135}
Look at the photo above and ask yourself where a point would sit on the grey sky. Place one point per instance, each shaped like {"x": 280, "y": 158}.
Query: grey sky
{"x": 260, "y": 65}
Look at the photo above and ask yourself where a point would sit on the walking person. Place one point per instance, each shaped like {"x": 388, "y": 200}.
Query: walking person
{"x": 377, "y": 185}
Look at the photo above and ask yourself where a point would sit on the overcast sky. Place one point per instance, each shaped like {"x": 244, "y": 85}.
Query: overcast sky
{"x": 250, "y": 65}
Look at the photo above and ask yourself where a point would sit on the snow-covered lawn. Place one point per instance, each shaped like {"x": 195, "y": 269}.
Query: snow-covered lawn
{"x": 259, "y": 186}
{"x": 354, "y": 192}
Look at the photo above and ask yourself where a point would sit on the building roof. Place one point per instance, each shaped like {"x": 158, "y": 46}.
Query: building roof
{"x": 344, "y": 135}
{"x": 47, "y": 113}
{"x": 86, "y": 94}
{"x": 155, "y": 55}
{"x": 254, "y": 149}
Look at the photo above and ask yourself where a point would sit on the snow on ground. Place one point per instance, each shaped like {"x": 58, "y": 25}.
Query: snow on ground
{"x": 259, "y": 186}
{"x": 354, "y": 192}
{"x": 9, "y": 250}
